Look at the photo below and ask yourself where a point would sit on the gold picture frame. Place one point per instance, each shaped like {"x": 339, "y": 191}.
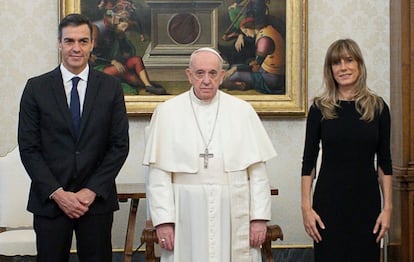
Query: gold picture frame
{"x": 293, "y": 103}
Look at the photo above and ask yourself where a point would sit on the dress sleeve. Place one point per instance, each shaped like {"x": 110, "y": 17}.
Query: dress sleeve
{"x": 312, "y": 138}
{"x": 383, "y": 148}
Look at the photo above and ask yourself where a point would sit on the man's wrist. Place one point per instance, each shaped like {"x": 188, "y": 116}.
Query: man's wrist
{"x": 54, "y": 192}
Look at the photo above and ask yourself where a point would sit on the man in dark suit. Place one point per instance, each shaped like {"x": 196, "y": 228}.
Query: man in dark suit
{"x": 73, "y": 140}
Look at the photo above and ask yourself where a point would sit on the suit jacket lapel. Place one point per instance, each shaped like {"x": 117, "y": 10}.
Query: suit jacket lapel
{"x": 62, "y": 103}
{"x": 91, "y": 93}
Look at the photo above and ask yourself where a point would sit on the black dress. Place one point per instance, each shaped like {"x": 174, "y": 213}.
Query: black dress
{"x": 347, "y": 195}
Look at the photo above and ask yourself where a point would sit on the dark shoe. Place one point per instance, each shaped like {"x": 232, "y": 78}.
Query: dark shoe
{"x": 156, "y": 90}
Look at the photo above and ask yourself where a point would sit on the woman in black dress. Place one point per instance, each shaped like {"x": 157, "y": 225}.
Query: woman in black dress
{"x": 348, "y": 215}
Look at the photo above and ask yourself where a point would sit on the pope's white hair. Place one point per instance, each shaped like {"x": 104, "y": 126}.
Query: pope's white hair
{"x": 209, "y": 50}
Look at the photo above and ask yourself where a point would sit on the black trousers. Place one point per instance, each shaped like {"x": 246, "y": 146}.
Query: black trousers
{"x": 93, "y": 237}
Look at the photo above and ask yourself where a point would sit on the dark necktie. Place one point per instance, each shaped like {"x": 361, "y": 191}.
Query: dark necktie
{"x": 75, "y": 104}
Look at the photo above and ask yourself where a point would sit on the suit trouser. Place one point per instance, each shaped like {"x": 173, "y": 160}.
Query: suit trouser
{"x": 93, "y": 237}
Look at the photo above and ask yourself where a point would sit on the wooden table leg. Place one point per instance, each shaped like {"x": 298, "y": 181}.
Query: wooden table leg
{"x": 129, "y": 238}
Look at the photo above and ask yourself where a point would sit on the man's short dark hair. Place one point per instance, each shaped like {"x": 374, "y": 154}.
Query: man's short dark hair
{"x": 74, "y": 20}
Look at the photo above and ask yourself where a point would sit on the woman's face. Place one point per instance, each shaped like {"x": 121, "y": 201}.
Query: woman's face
{"x": 345, "y": 71}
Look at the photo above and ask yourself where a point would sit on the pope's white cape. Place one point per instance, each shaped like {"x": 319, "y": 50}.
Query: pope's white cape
{"x": 173, "y": 136}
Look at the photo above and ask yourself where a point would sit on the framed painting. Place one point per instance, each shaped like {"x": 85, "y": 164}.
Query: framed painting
{"x": 263, "y": 43}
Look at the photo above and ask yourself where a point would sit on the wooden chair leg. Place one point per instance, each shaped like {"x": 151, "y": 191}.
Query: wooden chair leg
{"x": 273, "y": 233}
{"x": 149, "y": 237}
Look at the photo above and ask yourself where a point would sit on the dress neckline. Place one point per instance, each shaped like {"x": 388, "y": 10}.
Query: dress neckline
{"x": 346, "y": 101}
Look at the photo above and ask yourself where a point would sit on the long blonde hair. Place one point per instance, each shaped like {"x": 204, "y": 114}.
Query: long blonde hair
{"x": 367, "y": 103}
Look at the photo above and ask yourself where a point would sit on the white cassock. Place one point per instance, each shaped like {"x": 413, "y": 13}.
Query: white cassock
{"x": 211, "y": 207}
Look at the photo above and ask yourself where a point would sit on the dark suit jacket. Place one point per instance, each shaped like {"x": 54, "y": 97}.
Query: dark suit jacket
{"x": 54, "y": 157}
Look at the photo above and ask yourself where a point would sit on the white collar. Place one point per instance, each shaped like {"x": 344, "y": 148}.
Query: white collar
{"x": 200, "y": 102}
{"x": 67, "y": 75}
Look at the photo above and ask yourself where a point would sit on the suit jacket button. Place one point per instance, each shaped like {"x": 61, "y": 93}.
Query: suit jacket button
{"x": 77, "y": 153}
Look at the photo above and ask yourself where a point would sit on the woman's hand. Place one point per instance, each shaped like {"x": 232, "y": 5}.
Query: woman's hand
{"x": 310, "y": 218}
{"x": 383, "y": 222}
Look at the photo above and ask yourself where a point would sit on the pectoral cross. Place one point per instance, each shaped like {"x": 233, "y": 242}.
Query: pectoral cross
{"x": 206, "y": 156}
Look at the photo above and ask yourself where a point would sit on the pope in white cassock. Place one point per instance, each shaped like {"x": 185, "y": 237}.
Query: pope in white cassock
{"x": 208, "y": 189}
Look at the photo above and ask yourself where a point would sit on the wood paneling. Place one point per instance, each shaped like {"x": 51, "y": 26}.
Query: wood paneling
{"x": 401, "y": 244}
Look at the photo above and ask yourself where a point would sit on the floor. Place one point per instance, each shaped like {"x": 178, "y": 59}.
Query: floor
{"x": 280, "y": 255}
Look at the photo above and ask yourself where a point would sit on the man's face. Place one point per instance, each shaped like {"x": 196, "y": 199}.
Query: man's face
{"x": 205, "y": 74}
{"x": 75, "y": 47}
{"x": 120, "y": 21}
{"x": 248, "y": 32}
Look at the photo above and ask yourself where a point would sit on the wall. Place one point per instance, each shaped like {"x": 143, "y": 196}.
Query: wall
{"x": 28, "y": 48}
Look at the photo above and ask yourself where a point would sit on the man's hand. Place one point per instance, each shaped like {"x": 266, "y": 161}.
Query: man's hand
{"x": 86, "y": 196}
{"x": 69, "y": 203}
{"x": 165, "y": 234}
{"x": 238, "y": 45}
{"x": 232, "y": 6}
{"x": 258, "y": 230}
